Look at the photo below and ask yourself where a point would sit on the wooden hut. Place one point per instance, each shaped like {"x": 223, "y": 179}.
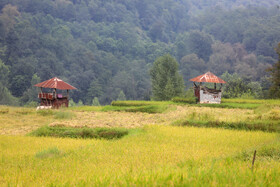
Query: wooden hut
{"x": 205, "y": 94}
{"x": 54, "y": 98}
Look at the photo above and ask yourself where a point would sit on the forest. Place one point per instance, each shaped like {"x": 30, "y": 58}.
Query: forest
{"x": 106, "y": 49}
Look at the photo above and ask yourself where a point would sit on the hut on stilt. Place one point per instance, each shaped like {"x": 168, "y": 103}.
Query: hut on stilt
{"x": 54, "y": 99}
{"x": 205, "y": 94}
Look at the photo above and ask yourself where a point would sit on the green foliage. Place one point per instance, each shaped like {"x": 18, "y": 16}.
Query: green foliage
{"x": 94, "y": 90}
{"x": 84, "y": 132}
{"x": 5, "y": 96}
{"x": 31, "y": 104}
{"x": 80, "y": 103}
{"x": 31, "y": 94}
{"x": 95, "y": 102}
{"x": 121, "y": 96}
{"x": 166, "y": 81}
{"x": 200, "y": 44}
{"x": 237, "y": 87}
{"x": 71, "y": 103}
{"x": 103, "y": 48}
{"x": 191, "y": 66}
{"x": 275, "y": 77}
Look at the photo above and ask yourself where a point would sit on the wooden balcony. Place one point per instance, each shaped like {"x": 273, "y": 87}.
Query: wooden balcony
{"x": 48, "y": 99}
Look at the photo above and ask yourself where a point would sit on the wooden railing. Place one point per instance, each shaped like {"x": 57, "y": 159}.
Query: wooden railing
{"x": 50, "y": 96}
{"x": 45, "y": 96}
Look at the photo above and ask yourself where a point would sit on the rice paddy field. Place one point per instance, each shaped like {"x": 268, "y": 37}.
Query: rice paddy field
{"x": 137, "y": 143}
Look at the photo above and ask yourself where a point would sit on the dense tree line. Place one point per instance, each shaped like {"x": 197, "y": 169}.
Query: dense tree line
{"x": 106, "y": 48}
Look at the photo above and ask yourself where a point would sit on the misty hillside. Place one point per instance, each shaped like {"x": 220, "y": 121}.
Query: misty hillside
{"x": 105, "y": 48}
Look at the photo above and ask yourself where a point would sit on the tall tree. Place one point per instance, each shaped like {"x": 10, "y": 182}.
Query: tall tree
{"x": 275, "y": 77}
{"x": 166, "y": 80}
{"x": 6, "y": 97}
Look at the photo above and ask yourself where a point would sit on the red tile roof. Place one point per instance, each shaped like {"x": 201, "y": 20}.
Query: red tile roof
{"x": 55, "y": 83}
{"x": 208, "y": 77}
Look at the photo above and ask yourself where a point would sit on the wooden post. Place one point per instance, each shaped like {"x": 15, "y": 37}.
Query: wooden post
{"x": 254, "y": 157}
{"x": 67, "y": 94}
{"x": 215, "y": 86}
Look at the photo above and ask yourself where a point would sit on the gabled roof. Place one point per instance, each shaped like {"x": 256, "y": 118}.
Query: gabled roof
{"x": 55, "y": 83}
{"x": 208, "y": 77}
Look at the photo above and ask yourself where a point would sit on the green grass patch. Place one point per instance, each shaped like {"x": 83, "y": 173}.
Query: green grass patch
{"x": 152, "y": 109}
{"x": 266, "y": 126}
{"x": 57, "y": 114}
{"x": 139, "y": 103}
{"x": 190, "y": 100}
{"x": 86, "y": 108}
{"x": 232, "y": 105}
{"x": 49, "y": 153}
{"x": 64, "y": 115}
{"x": 84, "y": 132}
{"x": 48, "y": 112}
{"x": 253, "y": 101}
{"x": 128, "y": 106}
{"x": 267, "y": 152}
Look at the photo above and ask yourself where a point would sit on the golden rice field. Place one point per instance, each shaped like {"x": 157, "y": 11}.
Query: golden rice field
{"x": 154, "y": 153}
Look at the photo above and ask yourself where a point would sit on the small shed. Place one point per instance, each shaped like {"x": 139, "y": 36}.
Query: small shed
{"x": 205, "y": 94}
{"x": 53, "y": 98}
